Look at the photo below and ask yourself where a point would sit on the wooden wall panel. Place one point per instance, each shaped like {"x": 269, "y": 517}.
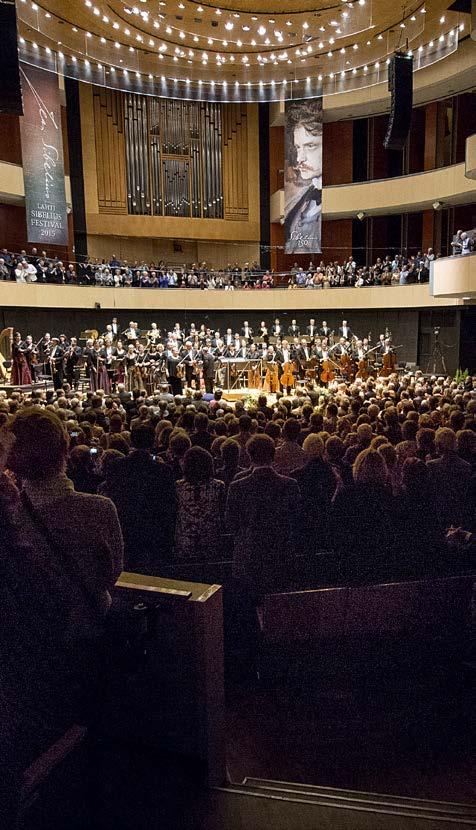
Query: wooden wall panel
{"x": 110, "y": 150}
{"x": 337, "y": 153}
{"x": 235, "y": 162}
{"x": 10, "y": 143}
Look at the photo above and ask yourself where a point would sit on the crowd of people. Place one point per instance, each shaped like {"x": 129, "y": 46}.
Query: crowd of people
{"x": 38, "y": 267}
{"x": 270, "y": 357}
{"x": 377, "y": 471}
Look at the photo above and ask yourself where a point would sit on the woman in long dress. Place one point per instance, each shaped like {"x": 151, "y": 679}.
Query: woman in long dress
{"x": 21, "y": 375}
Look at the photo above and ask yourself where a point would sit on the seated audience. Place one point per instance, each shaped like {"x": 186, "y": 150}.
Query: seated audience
{"x": 449, "y": 478}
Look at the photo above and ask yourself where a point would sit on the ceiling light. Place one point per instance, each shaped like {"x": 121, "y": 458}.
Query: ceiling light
{"x": 305, "y": 25}
{"x": 442, "y": 18}
{"x": 262, "y": 30}
{"x": 103, "y": 40}
{"x": 229, "y": 25}
{"x": 115, "y": 25}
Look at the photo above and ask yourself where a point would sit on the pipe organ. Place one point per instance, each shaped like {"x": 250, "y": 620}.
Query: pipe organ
{"x": 176, "y": 158}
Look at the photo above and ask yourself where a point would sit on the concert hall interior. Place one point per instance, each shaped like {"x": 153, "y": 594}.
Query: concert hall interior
{"x": 237, "y": 414}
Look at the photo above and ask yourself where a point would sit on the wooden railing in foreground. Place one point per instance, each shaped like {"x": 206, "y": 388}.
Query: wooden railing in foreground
{"x": 177, "y": 702}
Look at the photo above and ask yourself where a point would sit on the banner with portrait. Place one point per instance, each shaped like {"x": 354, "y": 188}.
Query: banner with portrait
{"x": 303, "y": 176}
{"x": 43, "y": 161}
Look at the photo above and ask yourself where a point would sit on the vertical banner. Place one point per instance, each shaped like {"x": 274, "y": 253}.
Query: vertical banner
{"x": 303, "y": 176}
{"x": 43, "y": 163}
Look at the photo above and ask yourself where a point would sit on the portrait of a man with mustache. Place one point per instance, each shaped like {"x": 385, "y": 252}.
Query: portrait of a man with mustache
{"x": 303, "y": 176}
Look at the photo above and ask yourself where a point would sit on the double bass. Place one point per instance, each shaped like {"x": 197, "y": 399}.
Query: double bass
{"x": 327, "y": 371}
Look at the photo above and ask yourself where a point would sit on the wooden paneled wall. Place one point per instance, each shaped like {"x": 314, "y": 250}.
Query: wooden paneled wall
{"x": 110, "y": 150}
{"x": 235, "y": 162}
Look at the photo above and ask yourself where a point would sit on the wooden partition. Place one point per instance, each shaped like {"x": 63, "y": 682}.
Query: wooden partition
{"x": 176, "y": 703}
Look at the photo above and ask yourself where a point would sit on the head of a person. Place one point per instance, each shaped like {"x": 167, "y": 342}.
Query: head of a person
{"x": 466, "y": 442}
{"x": 306, "y": 140}
{"x": 39, "y": 444}
{"x": 370, "y": 468}
{"x": 445, "y": 441}
{"x": 179, "y": 444}
{"x": 80, "y": 460}
{"x": 425, "y": 440}
{"x": 291, "y": 430}
{"x": 364, "y": 435}
{"x": 261, "y": 449}
{"x": 143, "y": 437}
{"x": 201, "y": 422}
{"x": 313, "y": 446}
{"x": 230, "y": 453}
{"x": 415, "y": 477}
{"x": 197, "y": 466}
{"x": 409, "y": 430}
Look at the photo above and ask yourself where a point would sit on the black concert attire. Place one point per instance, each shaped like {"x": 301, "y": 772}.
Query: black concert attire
{"x": 174, "y": 380}
{"x": 208, "y": 369}
{"x": 56, "y": 365}
{"x": 192, "y": 373}
{"x": 294, "y": 331}
{"x": 92, "y": 361}
{"x": 71, "y": 365}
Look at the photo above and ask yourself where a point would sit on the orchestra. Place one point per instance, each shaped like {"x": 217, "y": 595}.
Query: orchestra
{"x": 204, "y": 358}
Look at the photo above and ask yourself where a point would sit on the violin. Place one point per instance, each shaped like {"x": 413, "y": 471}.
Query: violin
{"x": 287, "y": 377}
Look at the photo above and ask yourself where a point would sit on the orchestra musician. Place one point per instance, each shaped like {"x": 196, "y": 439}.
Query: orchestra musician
{"x": 21, "y": 375}
{"x": 129, "y": 363}
{"x": 325, "y": 331}
{"x": 173, "y": 366}
{"x": 56, "y": 362}
{"x": 190, "y": 359}
{"x": 71, "y": 360}
{"x": 44, "y": 354}
{"x": 263, "y": 332}
{"x": 120, "y": 363}
{"x": 247, "y": 331}
{"x": 31, "y": 356}
{"x": 208, "y": 368}
{"x": 109, "y": 355}
{"x": 91, "y": 363}
{"x": 132, "y": 333}
{"x": 311, "y": 329}
{"x": 115, "y": 329}
{"x": 276, "y": 328}
{"x": 153, "y": 335}
{"x": 293, "y": 329}
{"x": 345, "y": 331}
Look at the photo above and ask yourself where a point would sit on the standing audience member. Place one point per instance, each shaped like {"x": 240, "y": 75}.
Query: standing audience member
{"x": 263, "y": 515}
{"x": 201, "y": 504}
{"x": 449, "y": 478}
{"x": 143, "y": 491}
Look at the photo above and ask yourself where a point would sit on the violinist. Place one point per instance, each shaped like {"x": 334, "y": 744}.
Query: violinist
{"x": 345, "y": 331}
{"x": 190, "y": 360}
{"x": 153, "y": 335}
{"x": 132, "y": 333}
{"x": 71, "y": 363}
{"x": 31, "y": 357}
{"x": 242, "y": 351}
{"x": 263, "y": 332}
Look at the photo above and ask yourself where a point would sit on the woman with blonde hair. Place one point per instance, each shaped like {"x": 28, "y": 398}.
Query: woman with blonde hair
{"x": 363, "y": 512}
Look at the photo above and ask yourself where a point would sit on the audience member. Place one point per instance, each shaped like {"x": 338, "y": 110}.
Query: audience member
{"x": 201, "y": 505}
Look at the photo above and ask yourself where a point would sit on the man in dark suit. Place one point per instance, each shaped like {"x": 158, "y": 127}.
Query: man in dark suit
{"x": 264, "y": 543}
{"x": 143, "y": 491}
{"x": 247, "y": 331}
{"x": 324, "y": 331}
{"x": 276, "y": 328}
{"x": 208, "y": 368}
{"x": 293, "y": 329}
{"x": 449, "y": 479}
{"x": 311, "y": 329}
{"x": 345, "y": 330}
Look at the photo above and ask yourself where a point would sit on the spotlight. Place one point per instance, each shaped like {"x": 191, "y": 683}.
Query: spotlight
{"x": 360, "y": 215}
{"x": 437, "y": 205}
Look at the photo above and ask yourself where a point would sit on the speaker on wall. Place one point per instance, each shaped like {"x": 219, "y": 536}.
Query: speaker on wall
{"x": 10, "y": 90}
{"x": 400, "y": 84}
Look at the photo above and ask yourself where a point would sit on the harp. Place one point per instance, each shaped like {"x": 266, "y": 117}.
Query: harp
{"x": 6, "y": 340}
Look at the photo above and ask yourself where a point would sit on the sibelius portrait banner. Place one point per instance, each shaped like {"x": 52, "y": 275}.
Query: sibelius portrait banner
{"x": 303, "y": 176}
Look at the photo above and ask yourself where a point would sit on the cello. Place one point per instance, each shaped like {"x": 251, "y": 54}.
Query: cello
{"x": 327, "y": 371}
{"x": 271, "y": 378}
{"x": 287, "y": 377}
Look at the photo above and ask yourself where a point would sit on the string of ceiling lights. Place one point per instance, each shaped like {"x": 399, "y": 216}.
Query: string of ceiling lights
{"x": 447, "y": 37}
